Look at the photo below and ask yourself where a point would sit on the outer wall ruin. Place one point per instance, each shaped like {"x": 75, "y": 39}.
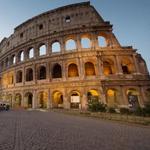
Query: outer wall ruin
{"x": 67, "y": 56}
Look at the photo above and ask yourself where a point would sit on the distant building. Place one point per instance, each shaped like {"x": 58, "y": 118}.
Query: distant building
{"x": 67, "y": 56}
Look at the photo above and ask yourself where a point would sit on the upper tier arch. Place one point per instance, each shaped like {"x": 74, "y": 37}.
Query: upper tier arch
{"x": 65, "y": 18}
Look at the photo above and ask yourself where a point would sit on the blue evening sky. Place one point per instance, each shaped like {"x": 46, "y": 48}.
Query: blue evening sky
{"x": 130, "y": 18}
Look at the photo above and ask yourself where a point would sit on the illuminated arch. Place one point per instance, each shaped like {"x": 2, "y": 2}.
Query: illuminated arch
{"x": 75, "y": 100}
{"x": 107, "y": 68}
{"x": 42, "y": 99}
{"x": 93, "y": 95}
{"x": 18, "y": 99}
{"x": 57, "y": 99}
{"x": 112, "y": 98}
{"x": 73, "y": 70}
{"x": 89, "y": 69}
{"x": 28, "y": 100}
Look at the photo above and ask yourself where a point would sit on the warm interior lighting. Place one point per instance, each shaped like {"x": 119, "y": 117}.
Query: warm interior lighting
{"x": 111, "y": 92}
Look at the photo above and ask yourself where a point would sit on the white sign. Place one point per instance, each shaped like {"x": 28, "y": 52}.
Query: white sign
{"x": 75, "y": 99}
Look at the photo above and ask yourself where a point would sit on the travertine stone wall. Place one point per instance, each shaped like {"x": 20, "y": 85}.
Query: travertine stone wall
{"x": 69, "y": 78}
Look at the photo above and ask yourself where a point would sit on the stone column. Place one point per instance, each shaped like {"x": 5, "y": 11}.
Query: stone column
{"x": 13, "y": 99}
{"x": 64, "y": 71}
{"x": 143, "y": 94}
{"x": 17, "y": 60}
{"x": 78, "y": 42}
{"x": 141, "y": 97}
{"x": 34, "y": 100}
{"x": 23, "y": 75}
{"x": 49, "y": 48}
{"x": 136, "y": 64}
{"x": 50, "y": 71}
{"x": 66, "y": 102}
{"x": 118, "y": 63}
{"x": 99, "y": 65}
{"x": 36, "y": 51}
{"x": 49, "y": 100}
{"x": 22, "y": 99}
{"x": 26, "y": 57}
{"x": 47, "y": 71}
{"x": 34, "y": 74}
{"x": 14, "y": 77}
{"x": 102, "y": 95}
{"x": 62, "y": 45}
{"x": 84, "y": 101}
{"x": 81, "y": 68}
{"x": 96, "y": 43}
{"x": 93, "y": 41}
{"x": 124, "y": 96}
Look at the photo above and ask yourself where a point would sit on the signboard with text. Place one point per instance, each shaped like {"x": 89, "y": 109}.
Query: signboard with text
{"x": 75, "y": 99}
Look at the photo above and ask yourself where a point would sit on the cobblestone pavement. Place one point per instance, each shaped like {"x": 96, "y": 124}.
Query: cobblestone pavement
{"x": 34, "y": 130}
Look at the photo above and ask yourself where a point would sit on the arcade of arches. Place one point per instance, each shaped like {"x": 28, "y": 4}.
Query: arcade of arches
{"x": 77, "y": 99}
{"x": 44, "y": 66}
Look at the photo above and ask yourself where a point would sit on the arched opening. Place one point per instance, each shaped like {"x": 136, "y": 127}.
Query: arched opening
{"x": 107, "y": 68}
{"x": 42, "y": 99}
{"x": 75, "y": 100}
{"x": 13, "y": 59}
{"x": 102, "y": 41}
{"x": 127, "y": 66}
{"x": 18, "y": 98}
{"x": 56, "y": 47}
{"x": 28, "y": 99}
{"x": 21, "y": 56}
{"x": 73, "y": 70}
{"x": 125, "y": 69}
{"x": 57, "y": 99}
{"x": 29, "y": 74}
{"x": 86, "y": 43}
{"x": 30, "y": 53}
{"x": 19, "y": 76}
{"x": 9, "y": 99}
{"x": 147, "y": 94}
{"x": 42, "y": 73}
{"x": 57, "y": 72}
{"x": 70, "y": 44}
{"x": 133, "y": 99}
{"x": 92, "y": 95}
{"x": 67, "y": 19}
{"x": 42, "y": 50}
{"x": 112, "y": 98}
{"x": 89, "y": 69}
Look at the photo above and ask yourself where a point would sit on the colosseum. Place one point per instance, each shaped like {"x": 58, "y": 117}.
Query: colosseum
{"x": 68, "y": 56}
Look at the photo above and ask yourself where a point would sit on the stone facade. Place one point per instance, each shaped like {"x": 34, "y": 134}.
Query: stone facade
{"x": 67, "y": 56}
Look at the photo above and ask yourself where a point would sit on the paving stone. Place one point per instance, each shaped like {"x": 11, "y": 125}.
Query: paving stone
{"x": 33, "y": 130}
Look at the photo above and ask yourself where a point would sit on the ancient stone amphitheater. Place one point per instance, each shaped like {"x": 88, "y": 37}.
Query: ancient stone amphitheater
{"x": 68, "y": 56}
